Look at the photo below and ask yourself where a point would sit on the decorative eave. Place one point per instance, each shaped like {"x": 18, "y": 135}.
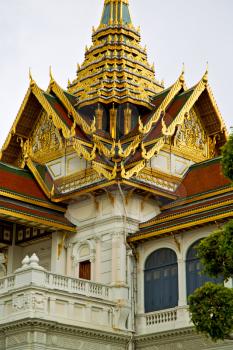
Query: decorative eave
{"x": 59, "y": 124}
{"x": 173, "y": 91}
{"x": 168, "y": 131}
{"x": 185, "y": 221}
{"x": 11, "y": 181}
{"x": 13, "y": 128}
{"x": 33, "y": 215}
{"x": 59, "y": 92}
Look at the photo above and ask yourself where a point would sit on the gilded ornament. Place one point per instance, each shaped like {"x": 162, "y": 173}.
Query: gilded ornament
{"x": 99, "y": 168}
{"x": 127, "y": 174}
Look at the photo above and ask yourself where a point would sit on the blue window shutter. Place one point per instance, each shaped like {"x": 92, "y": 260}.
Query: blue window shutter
{"x": 161, "y": 280}
{"x": 194, "y": 278}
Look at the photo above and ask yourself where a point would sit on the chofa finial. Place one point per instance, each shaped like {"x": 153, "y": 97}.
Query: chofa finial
{"x": 32, "y": 81}
{"x": 30, "y": 75}
{"x": 51, "y": 73}
{"x": 183, "y": 68}
{"x": 205, "y": 77}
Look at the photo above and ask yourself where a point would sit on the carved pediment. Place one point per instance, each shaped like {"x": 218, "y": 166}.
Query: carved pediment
{"x": 46, "y": 141}
{"x": 191, "y": 139}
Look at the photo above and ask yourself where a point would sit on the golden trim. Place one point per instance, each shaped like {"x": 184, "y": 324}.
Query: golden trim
{"x": 179, "y": 227}
{"x": 76, "y": 116}
{"x": 149, "y": 189}
{"x": 113, "y": 116}
{"x": 38, "y": 177}
{"x": 217, "y": 111}
{"x": 186, "y": 213}
{"x": 144, "y": 129}
{"x": 73, "y": 176}
{"x": 26, "y": 217}
{"x": 81, "y": 150}
{"x": 109, "y": 153}
{"x": 132, "y": 171}
{"x": 131, "y": 148}
{"x": 194, "y": 199}
{"x": 82, "y": 192}
{"x": 31, "y": 201}
{"x": 102, "y": 171}
{"x": 18, "y": 116}
{"x": 162, "y": 175}
{"x": 58, "y": 123}
{"x": 183, "y": 154}
{"x": 170, "y": 130}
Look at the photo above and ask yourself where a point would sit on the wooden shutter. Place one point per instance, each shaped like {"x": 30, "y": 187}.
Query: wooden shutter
{"x": 85, "y": 270}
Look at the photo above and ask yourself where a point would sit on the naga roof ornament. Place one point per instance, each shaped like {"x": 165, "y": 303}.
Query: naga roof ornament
{"x": 115, "y": 68}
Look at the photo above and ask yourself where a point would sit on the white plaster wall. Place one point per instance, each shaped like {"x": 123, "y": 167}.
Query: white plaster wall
{"x": 66, "y": 165}
{"x": 105, "y": 222}
{"x": 170, "y": 163}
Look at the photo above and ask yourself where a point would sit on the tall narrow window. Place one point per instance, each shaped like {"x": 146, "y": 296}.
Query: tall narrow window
{"x": 85, "y": 270}
{"x": 161, "y": 280}
{"x": 194, "y": 278}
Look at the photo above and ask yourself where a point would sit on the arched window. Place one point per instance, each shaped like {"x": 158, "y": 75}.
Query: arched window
{"x": 83, "y": 256}
{"x": 161, "y": 280}
{"x": 194, "y": 278}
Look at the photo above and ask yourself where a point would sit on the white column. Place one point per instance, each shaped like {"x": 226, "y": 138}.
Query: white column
{"x": 58, "y": 257}
{"x": 68, "y": 247}
{"x": 118, "y": 259}
{"x": 97, "y": 260}
{"x": 182, "y": 282}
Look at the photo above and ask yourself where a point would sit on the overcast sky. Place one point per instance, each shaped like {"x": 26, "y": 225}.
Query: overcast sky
{"x": 40, "y": 33}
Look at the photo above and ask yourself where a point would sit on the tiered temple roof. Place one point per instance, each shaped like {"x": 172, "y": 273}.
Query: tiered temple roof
{"x": 117, "y": 118}
{"x": 115, "y": 68}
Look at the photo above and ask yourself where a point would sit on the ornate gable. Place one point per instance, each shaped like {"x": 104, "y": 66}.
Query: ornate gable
{"x": 46, "y": 141}
{"x": 190, "y": 139}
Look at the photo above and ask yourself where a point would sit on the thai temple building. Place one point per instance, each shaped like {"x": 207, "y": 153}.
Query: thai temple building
{"x": 106, "y": 187}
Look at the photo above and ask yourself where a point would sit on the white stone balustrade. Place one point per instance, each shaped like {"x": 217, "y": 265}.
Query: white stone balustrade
{"x": 163, "y": 320}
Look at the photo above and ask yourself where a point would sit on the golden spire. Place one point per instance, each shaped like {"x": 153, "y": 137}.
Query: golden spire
{"x": 117, "y": 59}
{"x": 116, "y": 12}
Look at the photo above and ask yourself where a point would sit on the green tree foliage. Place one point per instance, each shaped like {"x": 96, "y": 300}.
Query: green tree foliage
{"x": 211, "y": 307}
{"x": 216, "y": 252}
{"x": 227, "y": 158}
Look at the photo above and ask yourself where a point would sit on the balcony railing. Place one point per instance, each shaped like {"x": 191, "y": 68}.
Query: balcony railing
{"x": 55, "y": 282}
{"x": 76, "y": 285}
{"x": 161, "y": 317}
{"x": 163, "y": 320}
{"x": 7, "y": 283}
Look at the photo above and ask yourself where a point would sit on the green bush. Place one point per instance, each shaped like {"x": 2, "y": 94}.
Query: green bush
{"x": 211, "y": 310}
{"x": 216, "y": 252}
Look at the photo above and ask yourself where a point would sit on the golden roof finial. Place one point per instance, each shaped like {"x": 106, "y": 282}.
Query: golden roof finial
{"x": 205, "y": 77}
{"x": 32, "y": 81}
{"x": 183, "y": 68}
{"x": 182, "y": 73}
{"x": 51, "y": 74}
